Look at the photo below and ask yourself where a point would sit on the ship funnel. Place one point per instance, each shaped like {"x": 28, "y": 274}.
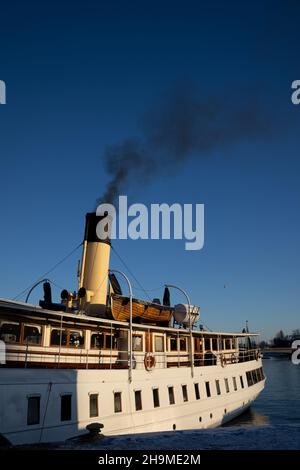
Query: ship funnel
{"x": 94, "y": 268}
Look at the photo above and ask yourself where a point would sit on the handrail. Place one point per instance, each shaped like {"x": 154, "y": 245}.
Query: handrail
{"x": 34, "y": 286}
{"x": 130, "y": 319}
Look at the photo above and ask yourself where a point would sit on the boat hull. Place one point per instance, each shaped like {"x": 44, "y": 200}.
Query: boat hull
{"x": 16, "y": 385}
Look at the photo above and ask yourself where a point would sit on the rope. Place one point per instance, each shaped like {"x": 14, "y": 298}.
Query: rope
{"x": 48, "y": 272}
{"x": 131, "y": 273}
{"x": 150, "y": 290}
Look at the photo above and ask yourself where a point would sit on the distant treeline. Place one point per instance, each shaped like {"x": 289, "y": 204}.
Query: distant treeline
{"x": 281, "y": 340}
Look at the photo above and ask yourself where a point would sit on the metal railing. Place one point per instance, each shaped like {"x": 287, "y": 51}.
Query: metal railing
{"x": 122, "y": 359}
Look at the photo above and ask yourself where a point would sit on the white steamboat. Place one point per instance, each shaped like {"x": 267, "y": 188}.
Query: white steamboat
{"x": 102, "y": 357}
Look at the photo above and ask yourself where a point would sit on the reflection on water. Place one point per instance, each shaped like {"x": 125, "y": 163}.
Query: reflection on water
{"x": 279, "y": 403}
{"x": 249, "y": 418}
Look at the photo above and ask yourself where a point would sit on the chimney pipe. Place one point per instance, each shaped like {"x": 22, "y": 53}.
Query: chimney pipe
{"x": 94, "y": 267}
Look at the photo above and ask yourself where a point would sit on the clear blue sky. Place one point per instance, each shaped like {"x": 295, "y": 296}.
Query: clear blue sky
{"x": 80, "y": 75}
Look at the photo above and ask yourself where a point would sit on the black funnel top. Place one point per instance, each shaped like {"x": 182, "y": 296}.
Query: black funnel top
{"x": 91, "y": 221}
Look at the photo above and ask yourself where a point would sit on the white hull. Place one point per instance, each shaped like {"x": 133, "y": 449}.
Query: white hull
{"x": 16, "y": 385}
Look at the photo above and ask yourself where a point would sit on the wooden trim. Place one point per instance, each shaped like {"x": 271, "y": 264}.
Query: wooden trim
{"x": 61, "y": 365}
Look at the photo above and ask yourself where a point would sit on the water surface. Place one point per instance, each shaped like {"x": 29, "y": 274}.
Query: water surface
{"x": 279, "y": 403}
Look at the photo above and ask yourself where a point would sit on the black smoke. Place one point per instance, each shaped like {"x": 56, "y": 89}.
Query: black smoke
{"x": 184, "y": 125}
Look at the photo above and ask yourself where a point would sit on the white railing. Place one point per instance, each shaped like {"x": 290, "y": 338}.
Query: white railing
{"x": 114, "y": 359}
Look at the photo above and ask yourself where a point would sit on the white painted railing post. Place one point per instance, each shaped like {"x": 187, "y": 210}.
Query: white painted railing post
{"x": 190, "y": 321}
{"x": 130, "y": 319}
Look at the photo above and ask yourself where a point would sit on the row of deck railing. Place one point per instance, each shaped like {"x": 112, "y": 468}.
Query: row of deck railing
{"x": 29, "y": 357}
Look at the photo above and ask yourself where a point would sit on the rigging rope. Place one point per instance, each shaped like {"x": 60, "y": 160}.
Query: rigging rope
{"x": 48, "y": 272}
{"x": 131, "y": 273}
{"x": 156, "y": 289}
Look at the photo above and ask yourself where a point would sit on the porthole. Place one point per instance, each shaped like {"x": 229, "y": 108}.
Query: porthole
{"x": 200, "y": 419}
{"x": 225, "y": 411}
{"x": 174, "y": 427}
{"x": 211, "y": 415}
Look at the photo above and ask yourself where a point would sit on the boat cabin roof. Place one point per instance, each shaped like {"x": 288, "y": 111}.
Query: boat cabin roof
{"x": 20, "y": 308}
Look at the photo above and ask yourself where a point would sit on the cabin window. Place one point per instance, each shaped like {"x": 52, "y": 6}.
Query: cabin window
{"x": 207, "y": 386}
{"x": 110, "y": 341}
{"x": 137, "y": 342}
{"x": 258, "y": 375}
{"x": 159, "y": 344}
{"x": 97, "y": 341}
{"x": 234, "y": 383}
{"x": 155, "y": 397}
{"x": 94, "y": 410}
{"x": 182, "y": 344}
{"x": 249, "y": 379}
{"x": 242, "y": 381}
{"x": 69, "y": 338}
{"x": 185, "y": 393}
{"x": 197, "y": 391}
{"x": 254, "y": 378}
{"x": 173, "y": 344}
{"x": 58, "y": 337}
{"x": 10, "y": 332}
{"x": 197, "y": 344}
{"x": 66, "y": 407}
{"x": 218, "y": 388}
{"x": 138, "y": 400}
{"x": 207, "y": 344}
{"x": 76, "y": 339}
{"x": 32, "y": 334}
{"x": 171, "y": 395}
{"x": 261, "y": 373}
{"x": 226, "y": 385}
{"x": 118, "y": 402}
{"x": 103, "y": 341}
{"x": 214, "y": 344}
{"x": 227, "y": 344}
{"x": 33, "y": 410}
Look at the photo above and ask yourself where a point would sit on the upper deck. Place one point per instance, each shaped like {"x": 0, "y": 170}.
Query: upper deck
{"x": 36, "y": 337}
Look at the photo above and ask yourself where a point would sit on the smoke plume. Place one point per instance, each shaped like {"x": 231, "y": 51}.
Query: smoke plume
{"x": 182, "y": 126}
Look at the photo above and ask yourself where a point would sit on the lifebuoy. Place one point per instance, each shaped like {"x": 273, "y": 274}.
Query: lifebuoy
{"x": 149, "y": 361}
